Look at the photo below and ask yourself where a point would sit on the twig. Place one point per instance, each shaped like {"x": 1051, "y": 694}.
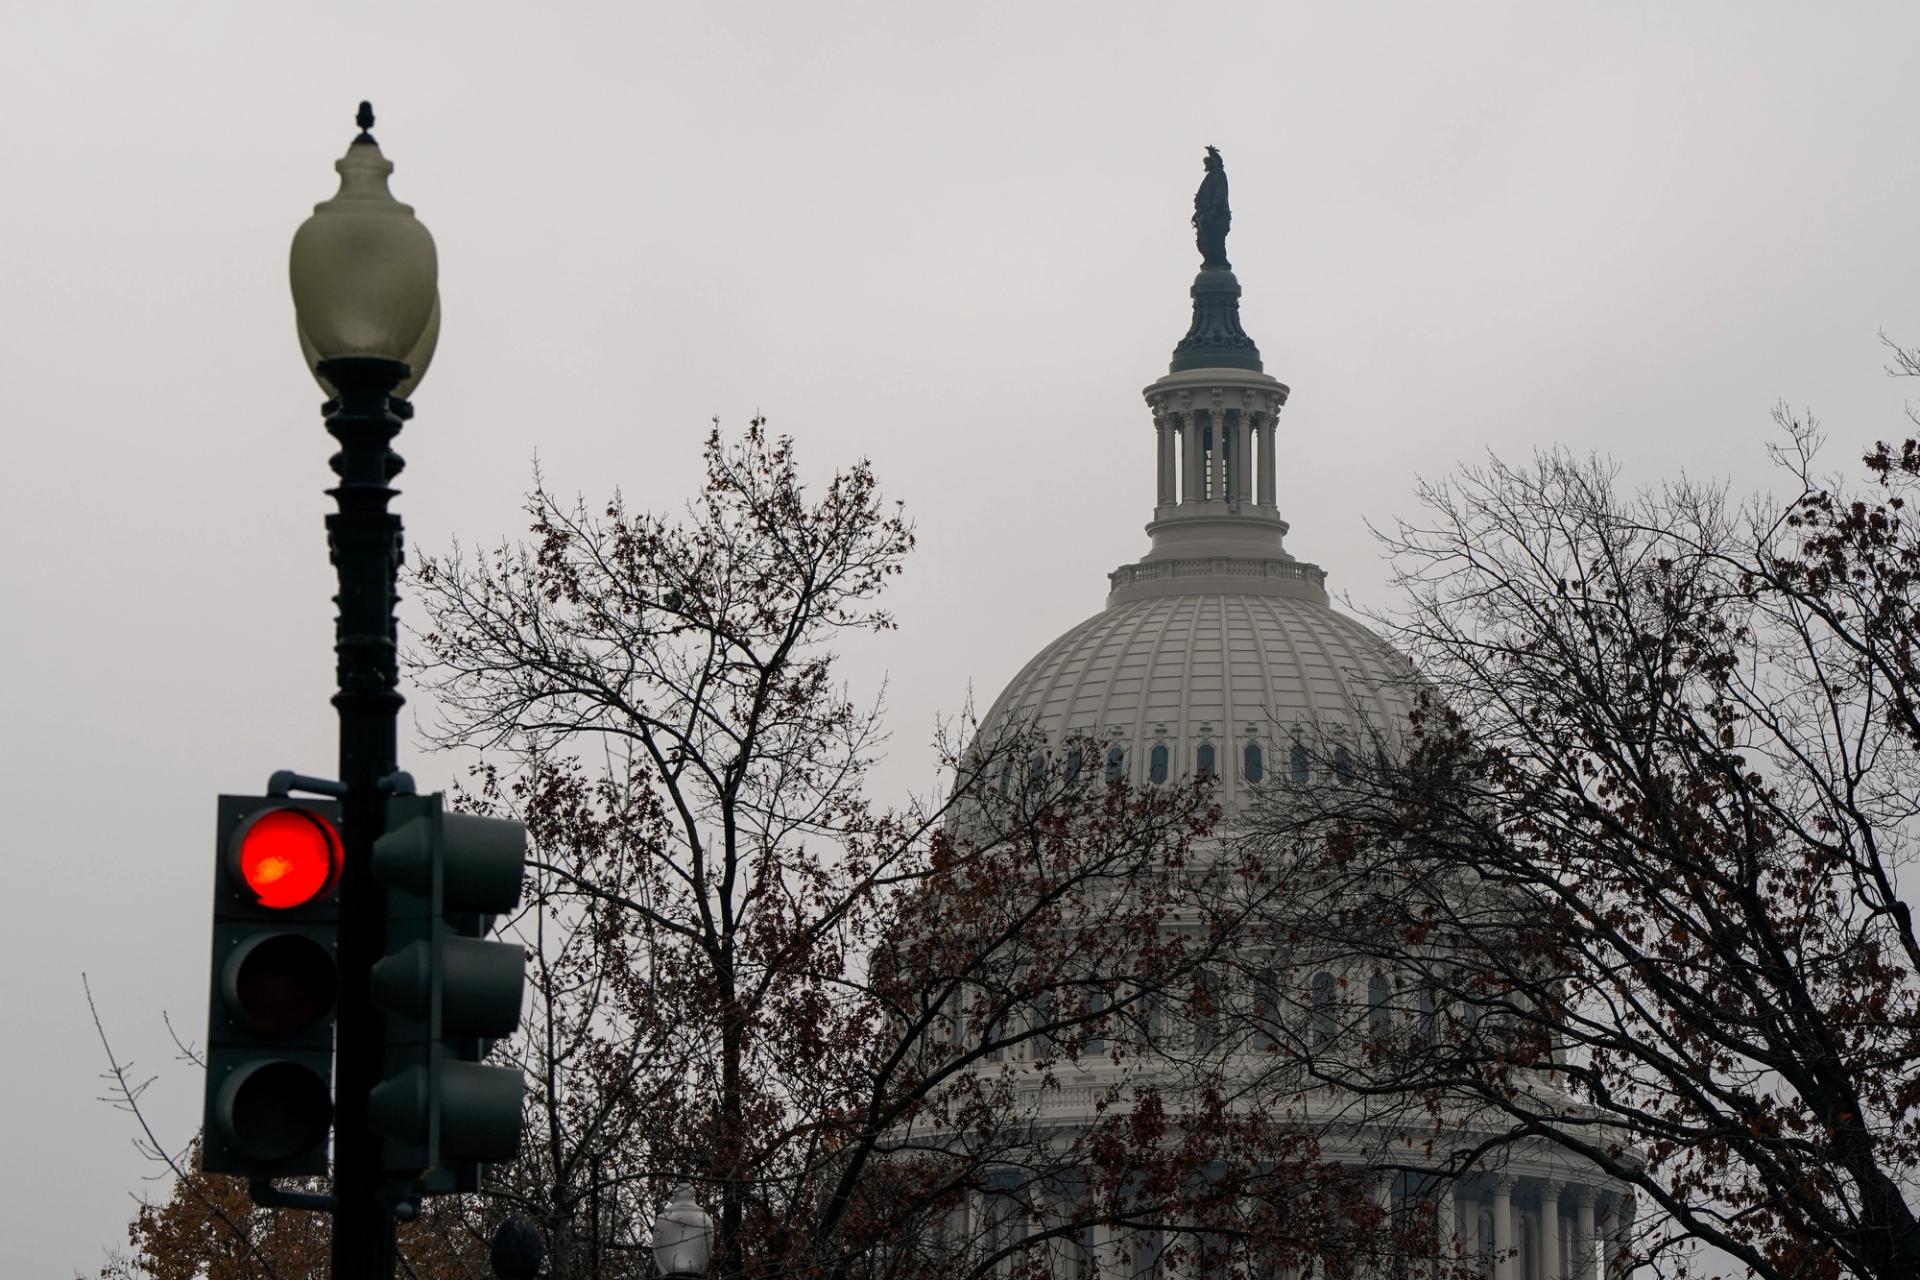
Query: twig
{"x": 125, "y": 1096}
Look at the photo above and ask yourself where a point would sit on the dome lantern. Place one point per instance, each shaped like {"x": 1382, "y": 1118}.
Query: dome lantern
{"x": 1216, "y": 519}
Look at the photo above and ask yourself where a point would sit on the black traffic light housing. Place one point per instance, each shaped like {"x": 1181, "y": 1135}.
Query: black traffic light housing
{"x": 274, "y": 981}
{"x": 447, "y": 992}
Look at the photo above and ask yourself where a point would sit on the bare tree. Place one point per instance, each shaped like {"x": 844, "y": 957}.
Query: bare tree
{"x": 854, "y": 1031}
{"x": 961, "y": 1038}
{"x": 1635, "y": 887}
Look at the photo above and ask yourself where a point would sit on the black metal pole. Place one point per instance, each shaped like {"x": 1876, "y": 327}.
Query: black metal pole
{"x": 365, "y": 541}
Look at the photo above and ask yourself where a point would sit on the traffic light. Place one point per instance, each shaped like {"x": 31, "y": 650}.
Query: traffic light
{"x": 448, "y": 993}
{"x": 274, "y": 980}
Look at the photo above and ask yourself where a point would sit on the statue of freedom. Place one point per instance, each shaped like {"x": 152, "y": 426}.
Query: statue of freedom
{"x": 1211, "y": 217}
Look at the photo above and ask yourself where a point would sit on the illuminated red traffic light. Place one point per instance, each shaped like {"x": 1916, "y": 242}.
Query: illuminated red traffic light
{"x": 288, "y": 857}
{"x": 275, "y": 983}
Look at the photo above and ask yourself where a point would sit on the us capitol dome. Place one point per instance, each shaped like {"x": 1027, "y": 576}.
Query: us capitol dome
{"x": 1218, "y": 654}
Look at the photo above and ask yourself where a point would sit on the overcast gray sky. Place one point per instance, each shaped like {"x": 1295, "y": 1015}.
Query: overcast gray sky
{"x": 948, "y": 237}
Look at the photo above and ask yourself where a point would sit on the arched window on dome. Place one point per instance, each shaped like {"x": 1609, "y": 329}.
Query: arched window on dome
{"x": 1207, "y": 992}
{"x": 1074, "y": 760}
{"x": 1157, "y": 764}
{"x": 1040, "y": 1026}
{"x": 1379, "y": 1011}
{"x": 1036, "y": 768}
{"x": 1324, "y": 1020}
{"x": 1297, "y": 764}
{"x": 1343, "y": 764}
{"x": 1267, "y": 1011}
{"x": 954, "y": 1017}
{"x": 993, "y": 1039}
{"x": 1116, "y": 763}
{"x": 1006, "y": 777}
{"x": 1203, "y": 761}
{"x": 1096, "y": 1023}
{"x": 1254, "y": 767}
{"x": 1152, "y": 1027}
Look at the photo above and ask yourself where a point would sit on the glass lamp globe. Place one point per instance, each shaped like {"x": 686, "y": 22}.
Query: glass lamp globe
{"x": 363, "y": 270}
{"x": 682, "y": 1236}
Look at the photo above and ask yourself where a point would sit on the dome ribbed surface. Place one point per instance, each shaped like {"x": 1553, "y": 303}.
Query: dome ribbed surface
{"x": 1224, "y": 669}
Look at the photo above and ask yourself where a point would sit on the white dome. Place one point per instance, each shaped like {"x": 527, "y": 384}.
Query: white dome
{"x": 1218, "y": 639}
{"x": 1210, "y": 667}
{"x": 1219, "y": 646}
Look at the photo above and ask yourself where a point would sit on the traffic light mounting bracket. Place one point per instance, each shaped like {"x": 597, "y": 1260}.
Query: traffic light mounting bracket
{"x": 284, "y": 782}
{"x": 263, "y": 1193}
{"x": 402, "y": 1197}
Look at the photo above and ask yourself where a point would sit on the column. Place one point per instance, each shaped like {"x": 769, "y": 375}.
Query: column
{"x": 1192, "y": 477}
{"x": 1446, "y": 1226}
{"x": 1503, "y": 1259}
{"x": 1382, "y": 1195}
{"x": 1620, "y": 1239}
{"x": 1471, "y": 1245}
{"x": 1582, "y": 1267}
{"x": 1213, "y": 432}
{"x": 1252, "y": 437}
{"x": 1107, "y": 1245}
{"x": 1267, "y": 486}
{"x": 1165, "y": 494}
{"x": 1230, "y": 455}
{"x": 1040, "y": 1219}
{"x": 1243, "y": 456}
{"x": 1550, "y": 1230}
{"x": 1177, "y": 1258}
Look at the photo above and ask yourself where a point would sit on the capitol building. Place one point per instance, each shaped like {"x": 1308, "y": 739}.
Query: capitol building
{"x": 1218, "y": 656}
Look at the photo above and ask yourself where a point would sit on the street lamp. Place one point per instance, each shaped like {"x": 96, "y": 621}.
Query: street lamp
{"x": 366, "y": 301}
{"x": 364, "y": 272}
{"x": 682, "y": 1237}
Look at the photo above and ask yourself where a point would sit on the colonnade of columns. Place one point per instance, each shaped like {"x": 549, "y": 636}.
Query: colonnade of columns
{"x": 1516, "y": 1228}
{"x": 1539, "y": 1229}
{"x": 1214, "y": 454}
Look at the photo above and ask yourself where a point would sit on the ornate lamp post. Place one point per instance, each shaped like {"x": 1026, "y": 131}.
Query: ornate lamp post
{"x": 364, "y": 277}
{"x": 682, "y": 1237}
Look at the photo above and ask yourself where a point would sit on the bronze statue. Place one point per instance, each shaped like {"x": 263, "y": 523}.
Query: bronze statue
{"x": 1211, "y": 217}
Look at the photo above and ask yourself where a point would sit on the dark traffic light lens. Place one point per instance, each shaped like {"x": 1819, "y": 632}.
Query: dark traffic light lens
{"x": 288, "y": 857}
{"x": 281, "y": 983}
{"x": 274, "y": 1111}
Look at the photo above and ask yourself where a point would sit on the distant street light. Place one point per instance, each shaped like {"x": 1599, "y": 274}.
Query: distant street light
{"x": 366, "y": 300}
{"x": 682, "y": 1237}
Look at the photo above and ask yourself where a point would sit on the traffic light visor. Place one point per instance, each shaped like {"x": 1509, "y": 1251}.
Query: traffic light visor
{"x": 287, "y": 857}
